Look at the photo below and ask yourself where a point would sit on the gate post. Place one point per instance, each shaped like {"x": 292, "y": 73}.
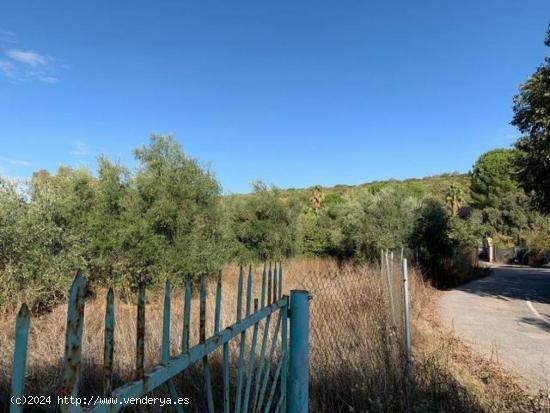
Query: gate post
{"x": 298, "y": 386}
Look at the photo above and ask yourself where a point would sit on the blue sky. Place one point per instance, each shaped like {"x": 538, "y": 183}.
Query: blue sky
{"x": 295, "y": 93}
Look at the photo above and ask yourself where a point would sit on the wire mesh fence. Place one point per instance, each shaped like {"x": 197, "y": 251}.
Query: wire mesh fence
{"x": 357, "y": 352}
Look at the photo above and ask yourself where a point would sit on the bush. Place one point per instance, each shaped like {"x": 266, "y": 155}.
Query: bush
{"x": 373, "y": 222}
{"x": 163, "y": 221}
{"x": 264, "y": 224}
{"x": 538, "y": 239}
{"x": 41, "y": 244}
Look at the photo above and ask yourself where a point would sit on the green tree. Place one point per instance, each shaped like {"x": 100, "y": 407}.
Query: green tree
{"x": 106, "y": 248}
{"x": 509, "y": 223}
{"x": 176, "y": 205}
{"x": 264, "y": 224}
{"x": 42, "y": 236}
{"x": 320, "y": 232}
{"x": 532, "y": 118}
{"x": 492, "y": 177}
{"x": 432, "y": 233}
{"x": 385, "y": 220}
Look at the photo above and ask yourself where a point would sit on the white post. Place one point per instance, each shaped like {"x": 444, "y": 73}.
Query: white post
{"x": 406, "y": 321}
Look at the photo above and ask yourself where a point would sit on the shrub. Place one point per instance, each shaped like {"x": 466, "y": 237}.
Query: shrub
{"x": 264, "y": 224}
{"x": 372, "y": 222}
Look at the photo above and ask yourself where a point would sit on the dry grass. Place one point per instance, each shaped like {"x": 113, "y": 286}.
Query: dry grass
{"x": 356, "y": 355}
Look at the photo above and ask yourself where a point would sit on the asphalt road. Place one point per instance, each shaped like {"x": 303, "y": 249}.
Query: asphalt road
{"x": 506, "y": 315}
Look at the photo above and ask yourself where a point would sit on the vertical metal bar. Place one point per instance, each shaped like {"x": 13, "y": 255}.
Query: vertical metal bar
{"x": 269, "y": 282}
{"x": 298, "y": 388}
{"x": 108, "y": 344}
{"x": 240, "y": 294}
{"x": 279, "y": 407}
{"x": 274, "y": 384}
{"x": 251, "y": 359}
{"x": 226, "y": 384}
{"x": 264, "y": 275}
{"x": 217, "y": 312}
{"x": 249, "y": 291}
{"x": 202, "y": 338}
{"x": 284, "y": 352}
{"x": 390, "y": 288}
{"x": 406, "y": 320}
{"x": 275, "y": 277}
{"x": 262, "y": 359}
{"x": 243, "y": 336}
{"x": 280, "y": 279}
{"x": 240, "y": 367}
{"x": 267, "y": 369}
{"x": 175, "y": 397}
{"x": 73, "y": 341}
{"x": 186, "y": 317}
{"x": 19, "y": 364}
{"x": 140, "y": 333}
{"x": 225, "y": 368}
{"x": 165, "y": 348}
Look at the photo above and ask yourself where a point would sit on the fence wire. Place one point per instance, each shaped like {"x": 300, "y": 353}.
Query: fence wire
{"x": 357, "y": 337}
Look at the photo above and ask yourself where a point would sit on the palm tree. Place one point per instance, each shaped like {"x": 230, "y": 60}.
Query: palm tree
{"x": 317, "y": 197}
{"x": 454, "y": 198}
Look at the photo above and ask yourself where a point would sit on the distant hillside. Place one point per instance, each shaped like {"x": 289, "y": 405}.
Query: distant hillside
{"x": 430, "y": 186}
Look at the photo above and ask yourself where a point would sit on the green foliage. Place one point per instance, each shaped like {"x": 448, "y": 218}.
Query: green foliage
{"x": 493, "y": 176}
{"x": 163, "y": 221}
{"x": 508, "y": 223}
{"x": 41, "y": 244}
{"x": 532, "y": 118}
{"x": 538, "y": 239}
{"x": 432, "y": 234}
{"x": 372, "y": 222}
{"x": 167, "y": 219}
{"x": 468, "y": 232}
{"x": 180, "y": 204}
{"x": 321, "y": 232}
{"x": 264, "y": 224}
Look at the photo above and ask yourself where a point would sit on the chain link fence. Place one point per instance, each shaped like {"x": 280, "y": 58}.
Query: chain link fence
{"x": 357, "y": 352}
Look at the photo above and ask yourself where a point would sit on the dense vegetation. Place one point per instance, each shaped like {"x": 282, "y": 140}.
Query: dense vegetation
{"x": 169, "y": 219}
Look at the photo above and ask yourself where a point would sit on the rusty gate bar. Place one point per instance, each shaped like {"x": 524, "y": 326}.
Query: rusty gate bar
{"x": 261, "y": 377}
{"x": 140, "y": 332}
{"x": 22, "y": 324}
{"x": 73, "y": 340}
{"x": 109, "y": 344}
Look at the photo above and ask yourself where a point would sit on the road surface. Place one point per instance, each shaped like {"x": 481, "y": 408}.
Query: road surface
{"x": 506, "y": 315}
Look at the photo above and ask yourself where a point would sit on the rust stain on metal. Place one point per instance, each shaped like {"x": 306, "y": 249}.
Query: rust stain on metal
{"x": 140, "y": 332}
{"x": 73, "y": 336}
{"x": 108, "y": 349}
{"x": 202, "y": 311}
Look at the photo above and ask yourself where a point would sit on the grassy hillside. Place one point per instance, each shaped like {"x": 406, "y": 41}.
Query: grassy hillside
{"x": 428, "y": 187}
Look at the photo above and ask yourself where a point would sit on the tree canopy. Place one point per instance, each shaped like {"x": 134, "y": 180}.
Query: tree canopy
{"x": 532, "y": 118}
{"x": 493, "y": 176}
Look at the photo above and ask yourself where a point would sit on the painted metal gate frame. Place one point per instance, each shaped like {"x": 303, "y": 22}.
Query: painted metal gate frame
{"x": 291, "y": 374}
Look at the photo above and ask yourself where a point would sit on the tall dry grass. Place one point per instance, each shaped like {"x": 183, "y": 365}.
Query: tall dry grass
{"x": 356, "y": 346}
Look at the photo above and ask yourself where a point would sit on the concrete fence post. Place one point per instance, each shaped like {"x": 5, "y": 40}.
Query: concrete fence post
{"x": 298, "y": 374}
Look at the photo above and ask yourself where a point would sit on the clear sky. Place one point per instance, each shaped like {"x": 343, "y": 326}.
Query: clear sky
{"x": 295, "y": 93}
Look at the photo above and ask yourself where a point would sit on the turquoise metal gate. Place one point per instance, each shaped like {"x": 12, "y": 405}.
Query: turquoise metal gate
{"x": 264, "y": 383}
